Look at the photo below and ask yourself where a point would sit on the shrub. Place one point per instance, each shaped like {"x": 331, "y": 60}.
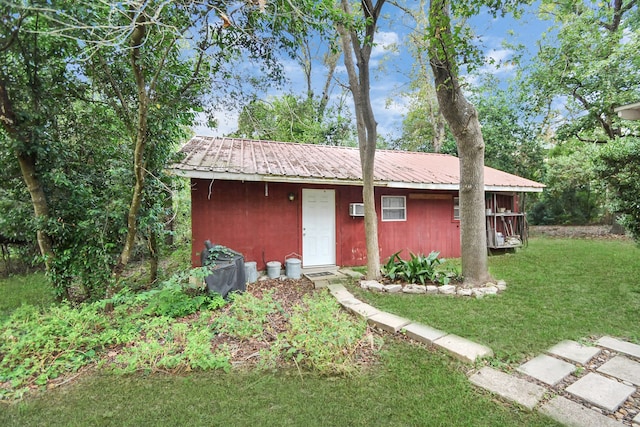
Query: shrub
{"x": 172, "y": 298}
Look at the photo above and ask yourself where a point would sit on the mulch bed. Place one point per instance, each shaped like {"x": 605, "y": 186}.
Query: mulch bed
{"x": 287, "y": 293}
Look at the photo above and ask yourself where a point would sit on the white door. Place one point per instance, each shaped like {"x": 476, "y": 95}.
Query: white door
{"x": 318, "y": 227}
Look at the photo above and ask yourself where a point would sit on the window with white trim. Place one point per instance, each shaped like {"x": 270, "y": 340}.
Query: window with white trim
{"x": 394, "y": 208}
{"x": 456, "y": 208}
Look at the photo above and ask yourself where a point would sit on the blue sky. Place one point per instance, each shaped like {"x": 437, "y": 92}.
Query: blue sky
{"x": 390, "y": 63}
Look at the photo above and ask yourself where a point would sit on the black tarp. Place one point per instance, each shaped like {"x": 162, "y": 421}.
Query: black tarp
{"x": 227, "y": 273}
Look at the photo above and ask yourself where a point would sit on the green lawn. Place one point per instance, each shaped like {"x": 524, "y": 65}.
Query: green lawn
{"x": 412, "y": 386}
{"x": 557, "y": 289}
{"x": 28, "y": 289}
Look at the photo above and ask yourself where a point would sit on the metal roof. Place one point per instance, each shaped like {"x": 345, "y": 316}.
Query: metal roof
{"x": 250, "y": 160}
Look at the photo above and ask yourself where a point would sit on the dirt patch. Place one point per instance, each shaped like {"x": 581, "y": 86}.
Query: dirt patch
{"x": 576, "y": 231}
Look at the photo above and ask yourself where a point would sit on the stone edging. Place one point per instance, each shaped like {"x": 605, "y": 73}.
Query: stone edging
{"x": 477, "y": 292}
{"x": 460, "y": 348}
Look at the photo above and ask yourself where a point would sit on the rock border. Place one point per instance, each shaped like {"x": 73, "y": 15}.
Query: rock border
{"x": 453, "y": 290}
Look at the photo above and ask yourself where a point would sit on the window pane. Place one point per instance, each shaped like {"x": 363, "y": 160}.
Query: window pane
{"x": 394, "y": 208}
{"x": 393, "y": 202}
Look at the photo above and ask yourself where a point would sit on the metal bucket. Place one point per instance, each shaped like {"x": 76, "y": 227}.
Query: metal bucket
{"x": 273, "y": 269}
{"x": 251, "y": 271}
{"x": 293, "y": 268}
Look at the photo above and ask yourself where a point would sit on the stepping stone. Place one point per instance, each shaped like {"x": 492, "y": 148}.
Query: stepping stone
{"x": 463, "y": 349}
{"x": 388, "y": 322}
{"x": 620, "y": 346}
{"x": 350, "y": 273}
{"x": 422, "y": 333}
{"x": 339, "y": 292}
{"x": 362, "y": 309}
{"x": 509, "y": 387}
{"x": 349, "y": 301}
{"x": 547, "y": 369}
{"x": 637, "y": 419}
{"x": 603, "y": 392}
{"x": 318, "y": 284}
{"x": 574, "y": 351}
{"x": 573, "y": 414}
{"x": 623, "y": 368}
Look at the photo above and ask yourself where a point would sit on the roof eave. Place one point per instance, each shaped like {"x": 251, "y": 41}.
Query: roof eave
{"x": 203, "y": 174}
{"x": 629, "y": 112}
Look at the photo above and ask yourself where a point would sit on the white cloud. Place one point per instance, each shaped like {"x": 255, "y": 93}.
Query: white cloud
{"x": 385, "y": 42}
{"x": 227, "y": 123}
{"x": 497, "y": 61}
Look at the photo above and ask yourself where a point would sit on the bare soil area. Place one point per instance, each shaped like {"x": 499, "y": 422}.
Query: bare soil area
{"x": 576, "y": 231}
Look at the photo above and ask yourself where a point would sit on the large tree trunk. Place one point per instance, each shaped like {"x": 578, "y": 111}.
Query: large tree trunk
{"x": 462, "y": 118}
{"x": 359, "y": 84}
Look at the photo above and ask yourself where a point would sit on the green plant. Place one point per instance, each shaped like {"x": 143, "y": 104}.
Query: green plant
{"x": 246, "y": 316}
{"x": 417, "y": 269}
{"x": 39, "y": 346}
{"x": 167, "y": 345}
{"x": 321, "y": 337}
{"x": 172, "y": 298}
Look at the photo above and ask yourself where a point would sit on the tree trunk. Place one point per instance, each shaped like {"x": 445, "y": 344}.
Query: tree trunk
{"x": 28, "y": 169}
{"x": 359, "y": 84}
{"x": 154, "y": 256}
{"x": 137, "y": 38}
{"x": 462, "y": 118}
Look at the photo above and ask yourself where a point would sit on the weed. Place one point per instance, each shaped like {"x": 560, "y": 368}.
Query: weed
{"x": 321, "y": 337}
{"x": 246, "y": 316}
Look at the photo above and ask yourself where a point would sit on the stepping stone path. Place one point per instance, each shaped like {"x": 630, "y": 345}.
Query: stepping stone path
{"x": 582, "y": 385}
{"x": 577, "y": 385}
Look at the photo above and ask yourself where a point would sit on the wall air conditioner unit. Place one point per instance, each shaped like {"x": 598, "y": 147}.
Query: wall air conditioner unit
{"x": 356, "y": 209}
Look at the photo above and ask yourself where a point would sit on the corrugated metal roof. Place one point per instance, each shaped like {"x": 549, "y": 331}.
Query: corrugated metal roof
{"x": 251, "y": 160}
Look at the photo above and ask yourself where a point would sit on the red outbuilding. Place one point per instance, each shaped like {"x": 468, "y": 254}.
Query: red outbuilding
{"x": 270, "y": 200}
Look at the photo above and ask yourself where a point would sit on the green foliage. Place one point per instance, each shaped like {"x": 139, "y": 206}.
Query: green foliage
{"x": 37, "y": 346}
{"x": 165, "y": 345}
{"x": 173, "y": 298}
{"x": 512, "y": 138}
{"x": 583, "y": 67}
{"x": 292, "y": 118}
{"x": 573, "y": 305}
{"x": 246, "y": 316}
{"x": 321, "y": 337}
{"x": 418, "y": 269}
{"x": 618, "y": 168}
{"x": 572, "y": 195}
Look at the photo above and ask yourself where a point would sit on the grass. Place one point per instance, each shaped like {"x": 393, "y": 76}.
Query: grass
{"x": 557, "y": 289}
{"x": 28, "y": 289}
{"x": 411, "y": 386}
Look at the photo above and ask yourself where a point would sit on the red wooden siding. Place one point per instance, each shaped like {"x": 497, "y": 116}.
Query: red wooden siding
{"x": 264, "y": 225}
